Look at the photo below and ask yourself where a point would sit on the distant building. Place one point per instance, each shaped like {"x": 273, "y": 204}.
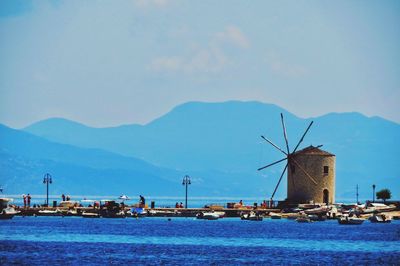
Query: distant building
{"x": 310, "y": 164}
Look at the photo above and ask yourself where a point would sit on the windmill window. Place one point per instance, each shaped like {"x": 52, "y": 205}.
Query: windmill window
{"x": 293, "y": 169}
{"x": 326, "y": 169}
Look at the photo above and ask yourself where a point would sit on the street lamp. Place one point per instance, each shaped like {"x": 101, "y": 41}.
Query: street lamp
{"x": 47, "y": 180}
{"x": 373, "y": 192}
{"x": 357, "y": 194}
{"x": 186, "y": 182}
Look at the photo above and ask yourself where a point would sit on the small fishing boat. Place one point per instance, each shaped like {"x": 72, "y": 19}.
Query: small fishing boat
{"x": 317, "y": 218}
{"x": 379, "y": 218}
{"x": 55, "y": 212}
{"x": 274, "y": 215}
{"x": 350, "y": 220}
{"x": 6, "y": 212}
{"x": 307, "y": 206}
{"x": 252, "y": 216}
{"x": 380, "y": 207}
{"x": 317, "y": 211}
{"x": 90, "y": 215}
{"x": 136, "y": 213}
{"x": 163, "y": 213}
{"x": 208, "y": 216}
{"x": 111, "y": 214}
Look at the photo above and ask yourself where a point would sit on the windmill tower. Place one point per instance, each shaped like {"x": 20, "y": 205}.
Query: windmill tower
{"x": 311, "y": 172}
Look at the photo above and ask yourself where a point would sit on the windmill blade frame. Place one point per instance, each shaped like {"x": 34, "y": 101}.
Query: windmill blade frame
{"x": 270, "y": 142}
{"x": 284, "y": 134}
{"x": 261, "y": 168}
{"x": 279, "y": 181}
{"x": 302, "y": 138}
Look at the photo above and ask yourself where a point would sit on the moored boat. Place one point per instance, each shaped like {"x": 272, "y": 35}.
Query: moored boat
{"x": 6, "y": 212}
{"x": 55, "y": 212}
{"x": 350, "y": 220}
{"x": 274, "y": 215}
{"x": 90, "y": 215}
{"x": 380, "y": 207}
{"x": 317, "y": 218}
{"x": 252, "y": 216}
{"x": 318, "y": 211}
{"x": 208, "y": 216}
{"x": 379, "y": 218}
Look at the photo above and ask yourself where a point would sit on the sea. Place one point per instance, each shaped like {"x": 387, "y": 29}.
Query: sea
{"x": 188, "y": 241}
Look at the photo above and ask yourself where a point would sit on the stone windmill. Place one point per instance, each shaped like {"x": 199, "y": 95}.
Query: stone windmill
{"x": 311, "y": 172}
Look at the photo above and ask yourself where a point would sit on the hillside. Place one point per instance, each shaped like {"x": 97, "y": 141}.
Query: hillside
{"x": 25, "y": 158}
{"x": 221, "y": 143}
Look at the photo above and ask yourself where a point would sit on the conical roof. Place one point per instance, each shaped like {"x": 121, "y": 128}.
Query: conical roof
{"x": 311, "y": 150}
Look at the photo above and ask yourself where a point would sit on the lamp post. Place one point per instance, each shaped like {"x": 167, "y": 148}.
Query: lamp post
{"x": 47, "y": 180}
{"x": 373, "y": 192}
{"x": 357, "y": 194}
{"x": 186, "y": 182}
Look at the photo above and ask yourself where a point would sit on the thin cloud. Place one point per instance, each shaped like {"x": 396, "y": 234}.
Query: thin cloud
{"x": 284, "y": 68}
{"x": 209, "y": 59}
{"x": 234, "y": 35}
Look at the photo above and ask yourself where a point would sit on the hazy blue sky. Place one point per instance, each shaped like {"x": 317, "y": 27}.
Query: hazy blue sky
{"x": 116, "y": 62}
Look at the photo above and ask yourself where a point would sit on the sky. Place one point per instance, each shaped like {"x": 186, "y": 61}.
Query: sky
{"x": 106, "y": 63}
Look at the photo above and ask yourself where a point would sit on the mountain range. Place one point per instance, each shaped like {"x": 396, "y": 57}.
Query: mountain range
{"x": 217, "y": 144}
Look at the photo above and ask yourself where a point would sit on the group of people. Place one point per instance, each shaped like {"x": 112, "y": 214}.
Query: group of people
{"x": 179, "y": 205}
{"x": 65, "y": 198}
{"x": 27, "y": 200}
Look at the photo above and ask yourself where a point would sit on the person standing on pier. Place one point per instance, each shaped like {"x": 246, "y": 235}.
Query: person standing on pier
{"x": 142, "y": 201}
{"x": 24, "y": 197}
{"x": 29, "y": 200}
{"x": 63, "y": 197}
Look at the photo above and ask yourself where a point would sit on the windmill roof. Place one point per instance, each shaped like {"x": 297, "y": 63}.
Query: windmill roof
{"x": 311, "y": 150}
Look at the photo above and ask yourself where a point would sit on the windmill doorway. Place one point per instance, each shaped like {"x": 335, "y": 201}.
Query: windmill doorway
{"x": 326, "y": 196}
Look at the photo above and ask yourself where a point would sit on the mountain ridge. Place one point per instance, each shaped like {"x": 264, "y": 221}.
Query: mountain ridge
{"x": 221, "y": 142}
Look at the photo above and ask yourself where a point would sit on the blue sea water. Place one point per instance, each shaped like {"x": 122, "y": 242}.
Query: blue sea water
{"x": 187, "y": 241}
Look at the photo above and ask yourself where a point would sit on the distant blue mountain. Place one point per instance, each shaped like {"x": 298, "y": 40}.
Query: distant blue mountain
{"x": 25, "y": 158}
{"x": 221, "y": 144}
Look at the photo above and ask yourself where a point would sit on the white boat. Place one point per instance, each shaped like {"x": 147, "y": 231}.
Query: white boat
{"x": 90, "y": 215}
{"x": 368, "y": 210}
{"x": 350, "y": 220}
{"x": 319, "y": 210}
{"x": 379, "y": 218}
{"x": 208, "y": 215}
{"x": 220, "y": 214}
{"x": 306, "y": 206}
{"x": 56, "y": 212}
{"x": 71, "y": 213}
{"x": 252, "y": 216}
{"x": 163, "y": 213}
{"x": 274, "y": 215}
{"x": 6, "y": 212}
{"x": 380, "y": 207}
